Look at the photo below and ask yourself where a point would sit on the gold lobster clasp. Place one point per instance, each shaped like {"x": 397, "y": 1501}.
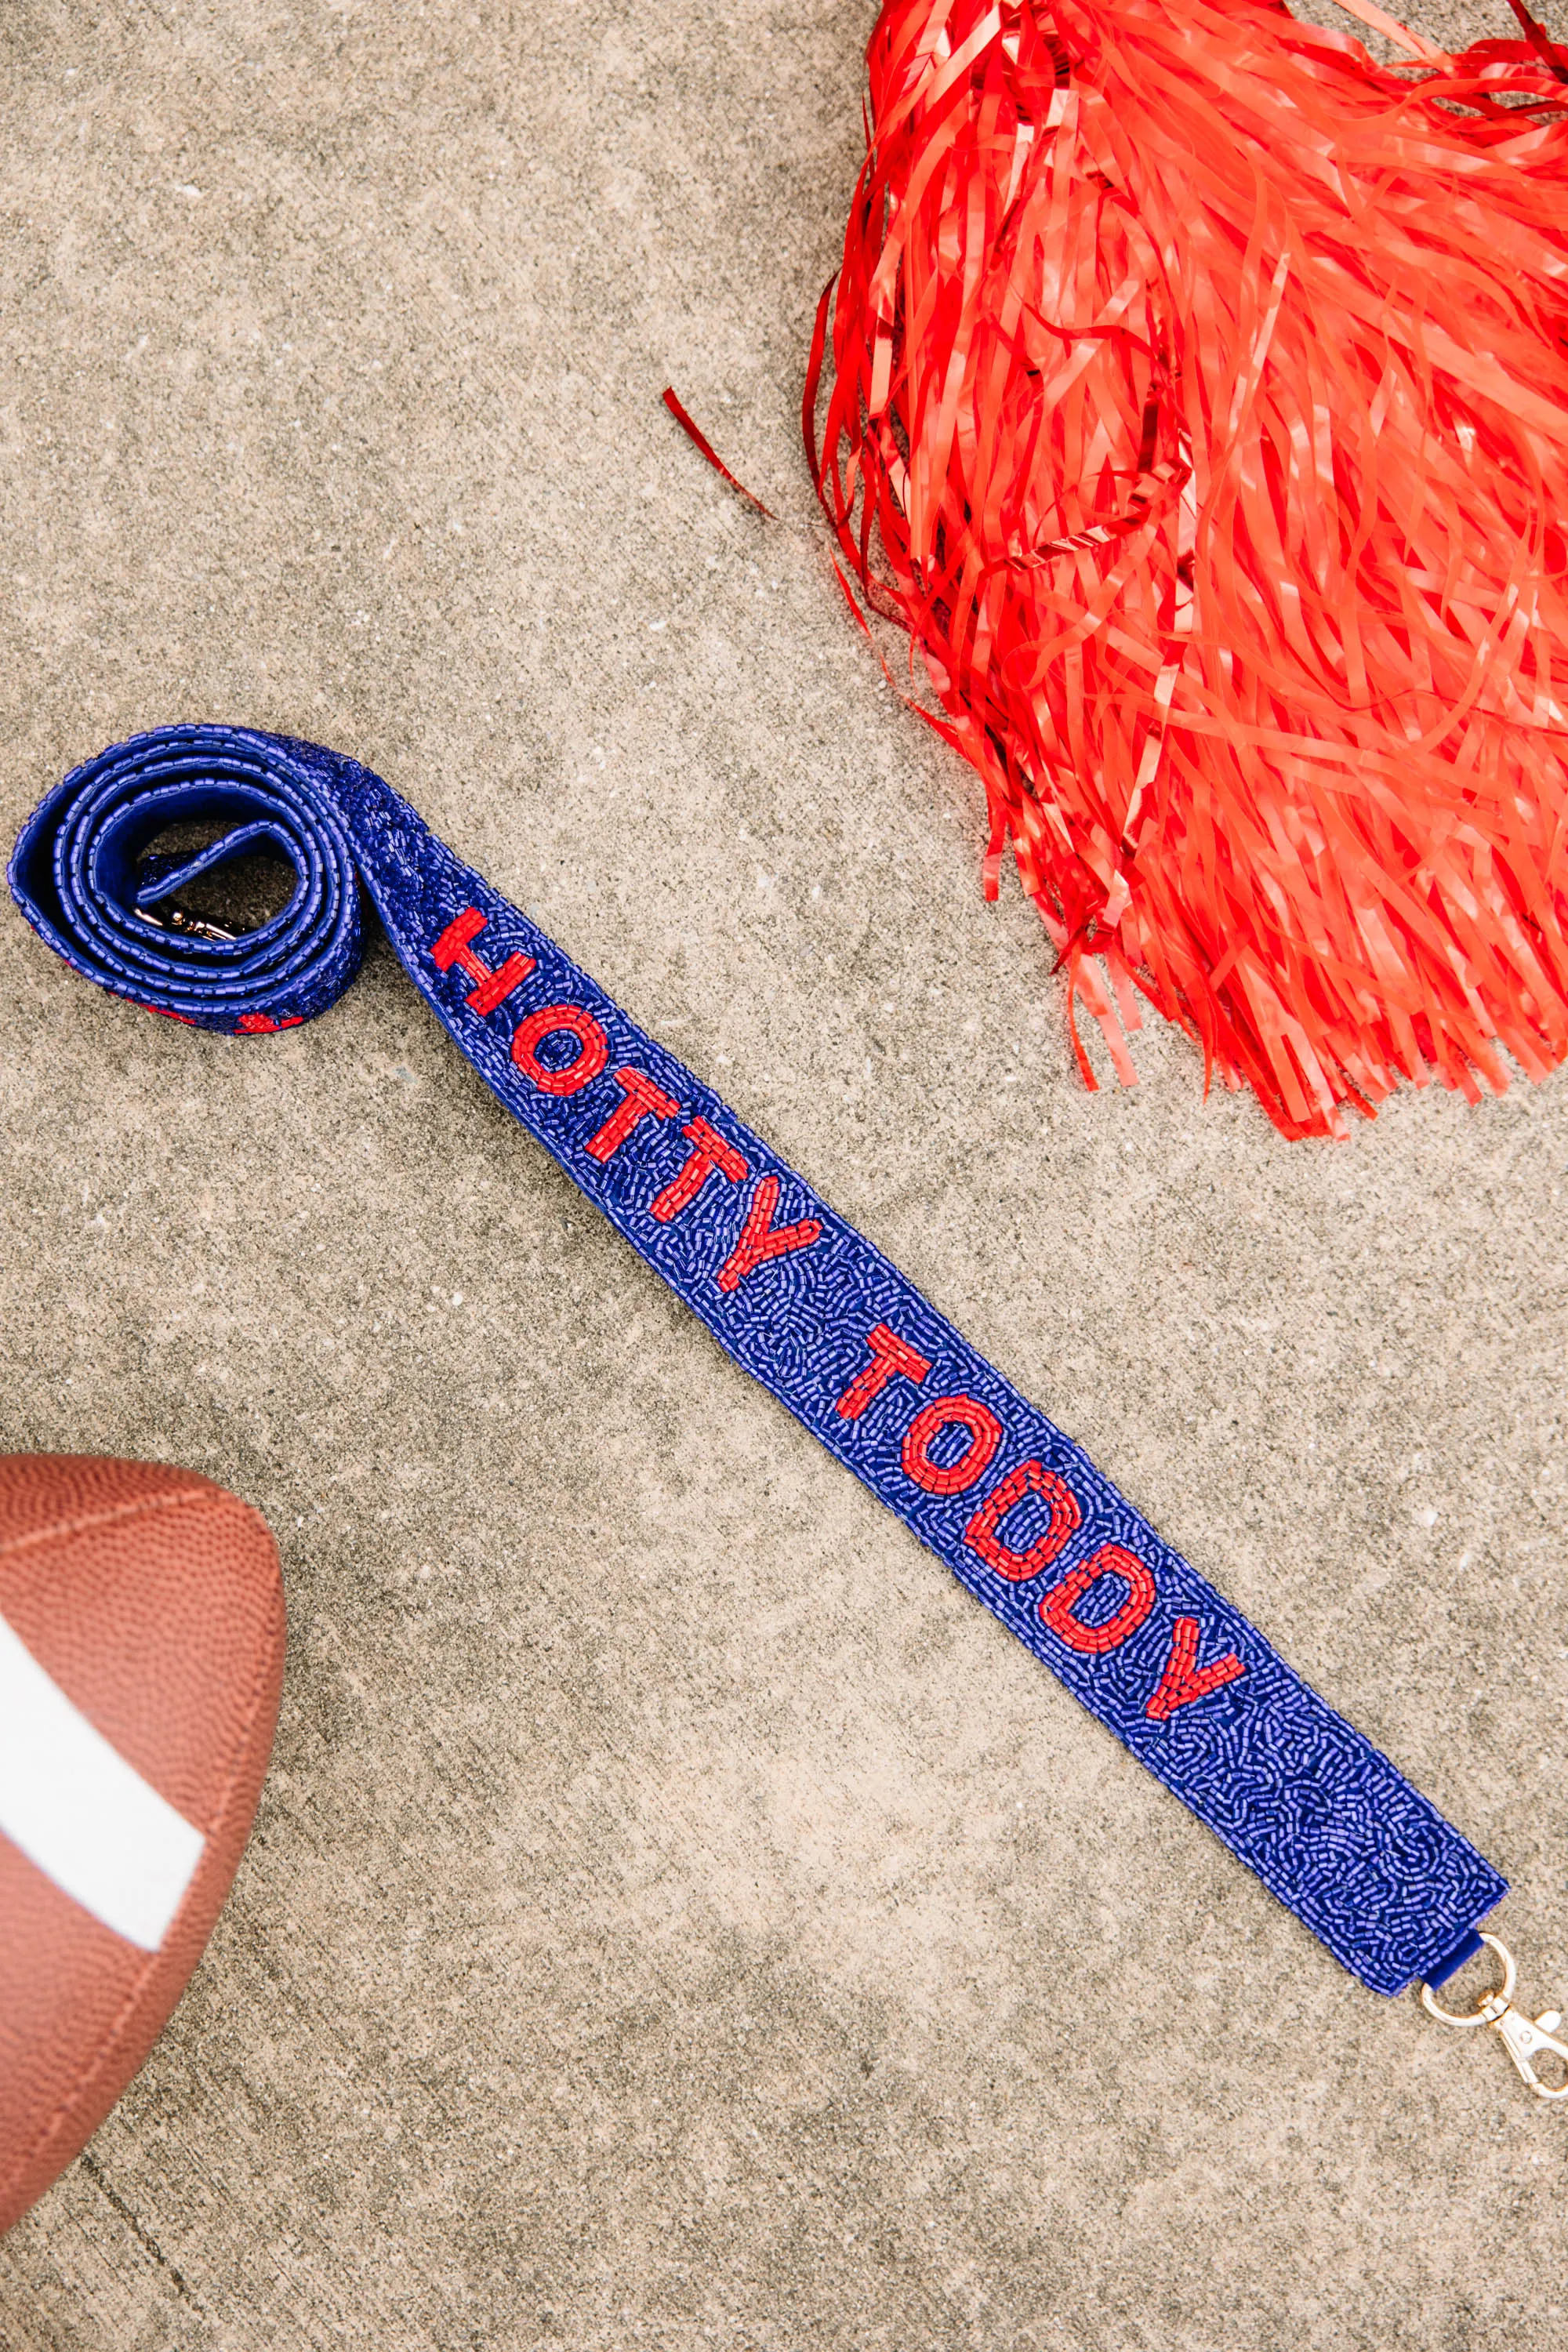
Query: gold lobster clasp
{"x": 1525, "y": 2038}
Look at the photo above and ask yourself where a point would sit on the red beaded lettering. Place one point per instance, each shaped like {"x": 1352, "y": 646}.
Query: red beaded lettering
{"x": 593, "y": 1048}
{"x": 891, "y": 1359}
{"x": 640, "y": 1099}
{"x": 1183, "y": 1679}
{"x": 761, "y": 1239}
{"x": 452, "y": 947}
{"x": 1058, "y": 1608}
{"x": 946, "y": 1412}
{"x": 983, "y": 1534}
{"x": 453, "y": 942}
{"x": 709, "y": 1151}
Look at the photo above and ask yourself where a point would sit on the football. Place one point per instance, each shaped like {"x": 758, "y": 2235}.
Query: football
{"x": 140, "y": 1662}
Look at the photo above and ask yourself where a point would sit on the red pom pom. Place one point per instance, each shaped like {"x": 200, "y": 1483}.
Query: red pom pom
{"x": 1200, "y": 407}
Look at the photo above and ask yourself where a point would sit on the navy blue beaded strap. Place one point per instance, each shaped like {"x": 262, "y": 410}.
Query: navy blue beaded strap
{"x": 811, "y": 1309}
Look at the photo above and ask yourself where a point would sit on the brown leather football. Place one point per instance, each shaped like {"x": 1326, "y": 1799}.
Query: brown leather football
{"x": 140, "y": 1662}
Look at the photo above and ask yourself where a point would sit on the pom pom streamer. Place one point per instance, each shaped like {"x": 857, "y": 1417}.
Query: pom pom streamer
{"x": 1199, "y": 405}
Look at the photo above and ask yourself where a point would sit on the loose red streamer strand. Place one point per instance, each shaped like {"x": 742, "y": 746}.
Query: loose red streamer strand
{"x": 1198, "y": 406}
{"x": 689, "y": 426}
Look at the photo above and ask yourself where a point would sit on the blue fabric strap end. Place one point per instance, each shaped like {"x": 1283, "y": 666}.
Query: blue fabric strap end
{"x": 809, "y": 1307}
{"x": 1467, "y": 1948}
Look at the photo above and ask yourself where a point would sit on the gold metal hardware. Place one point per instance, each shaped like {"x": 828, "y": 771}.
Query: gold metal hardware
{"x": 1524, "y": 2038}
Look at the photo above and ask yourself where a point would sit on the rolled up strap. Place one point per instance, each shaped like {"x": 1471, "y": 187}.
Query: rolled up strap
{"x": 809, "y": 1307}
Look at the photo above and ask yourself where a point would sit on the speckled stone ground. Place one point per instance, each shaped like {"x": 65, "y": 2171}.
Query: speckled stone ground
{"x": 678, "y": 1917}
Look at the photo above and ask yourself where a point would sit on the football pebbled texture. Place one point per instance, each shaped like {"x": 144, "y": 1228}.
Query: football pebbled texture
{"x": 142, "y": 1636}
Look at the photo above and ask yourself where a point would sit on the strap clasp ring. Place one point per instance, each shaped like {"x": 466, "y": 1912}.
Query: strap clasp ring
{"x": 188, "y": 925}
{"x": 1523, "y": 2038}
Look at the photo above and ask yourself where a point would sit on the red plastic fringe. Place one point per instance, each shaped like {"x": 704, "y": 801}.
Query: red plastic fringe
{"x": 700, "y": 440}
{"x": 1200, "y": 408}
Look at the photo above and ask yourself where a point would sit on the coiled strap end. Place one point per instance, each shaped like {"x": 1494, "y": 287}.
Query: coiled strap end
{"x": 82, "y": 876}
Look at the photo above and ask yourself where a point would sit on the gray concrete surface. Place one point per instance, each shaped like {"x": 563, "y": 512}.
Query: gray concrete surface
{"x": 678, "y": 1917}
